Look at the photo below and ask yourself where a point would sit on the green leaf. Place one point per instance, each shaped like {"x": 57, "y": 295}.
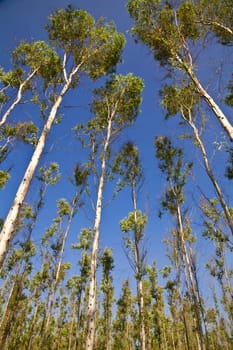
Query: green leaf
{"x": 63, "y": 207}
{"x": 4, "y": 177}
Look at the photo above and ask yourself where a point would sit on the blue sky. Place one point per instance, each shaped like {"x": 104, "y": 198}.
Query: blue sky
{"x": 25, "y": 19}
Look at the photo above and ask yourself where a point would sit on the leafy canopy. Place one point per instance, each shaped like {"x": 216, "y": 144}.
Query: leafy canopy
{"x": 134, "y": 219}
{"x": 167, "y": 28}
{"x": 39, "y": 56}
{"x": 176, "y": 171}
{"x": 118, "y": 100}
{"x": 127, "y": 164}
{"x": 95, "y": 46}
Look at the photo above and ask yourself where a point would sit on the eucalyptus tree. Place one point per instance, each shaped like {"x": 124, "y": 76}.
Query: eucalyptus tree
{"x": 181, "y": 100}
{"x": 218, "y": 329}
{"x": 219, "y": 269}
{"x": 10, "y": 136}
{"x": 61, "y": 228}
{"x": 116, "y": 106}
{"x": 16, "y": 306}
{"x": 61, "y": 325}
{"x": 54, "y": 242}
{"x": 86, "y": 47}
{"x": 176, "y": 172}
{"x": 157, "y": 331}
{"x": 179, "y": 319}
{"x": 104, "y": 328}
{"x": 38, "y": 287}
{"x": 218, "y": 215}
{"x": 123, "y": 323}
{"x": 31, "y": 62}
{"x": 34, "y": 64}
{"x": 19, "y": 262}
{"x": 77, "y": 286}
{"x": 128, "y": 165}
{"x": 218, "y": 265}
{"x": 175, "y": 32}
{"x": 19, "y": 265}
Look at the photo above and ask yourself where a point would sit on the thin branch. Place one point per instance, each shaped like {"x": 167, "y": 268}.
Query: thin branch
{"x": 64, "y": 67}
{"x": 19, "y": 96}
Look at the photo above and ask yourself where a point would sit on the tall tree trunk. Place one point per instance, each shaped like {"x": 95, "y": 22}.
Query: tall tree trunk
{"x": 209, "y": 172}
{"x": 226, "y": 125}
{"x": 194, "y": 271}
{"x": 186, "y": 341}
{"x": 95, "y": 246}
{"x": 139, "y": 274}
{"x": 141, "y": 316}
{"x": 195, "y": 295}
{"x": 8, "y": 229}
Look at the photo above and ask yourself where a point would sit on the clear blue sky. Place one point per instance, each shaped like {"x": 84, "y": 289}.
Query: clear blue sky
{"x": 25, "y": 19}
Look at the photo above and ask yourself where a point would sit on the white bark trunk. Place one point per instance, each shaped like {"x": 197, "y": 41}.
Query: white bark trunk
{"x": 94, "y": 254}
{"x": 215, "y": 108}
{"x": 199, "y": 333}
{"x": 139, "y": 277}
{"x": 142, "y": 316}
{"x": 226, "y": 125}
{"x": 7, "y": 232}
{"x": 209, "y": 172}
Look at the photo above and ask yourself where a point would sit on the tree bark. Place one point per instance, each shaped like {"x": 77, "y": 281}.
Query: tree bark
{"x": 226, "y": 125}
{"x": 95, "y": 246}
{"x": 8, "y": 229}
{"x": 209, "y": 171}
{"x": 139, "y": 275}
